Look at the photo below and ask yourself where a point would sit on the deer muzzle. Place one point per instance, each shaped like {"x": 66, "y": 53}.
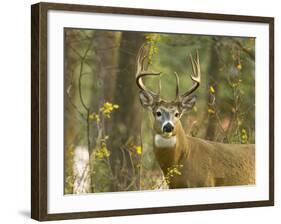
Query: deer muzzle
{"x": 168, "y": 127}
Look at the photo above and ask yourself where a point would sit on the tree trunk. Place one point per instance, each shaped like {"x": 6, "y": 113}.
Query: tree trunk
{"x": 213, "y": 80}
{"x": 127, "y": 119}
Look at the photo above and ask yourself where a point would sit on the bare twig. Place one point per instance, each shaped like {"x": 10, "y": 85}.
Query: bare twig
{"x": 245, "y": 50}
{"x": 70, "y": 100}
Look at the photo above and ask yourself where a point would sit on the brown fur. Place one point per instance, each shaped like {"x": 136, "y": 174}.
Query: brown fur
{"x": 206, "y": 163}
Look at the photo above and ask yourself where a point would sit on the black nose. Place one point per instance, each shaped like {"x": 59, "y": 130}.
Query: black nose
{"x": 168, "y": 128}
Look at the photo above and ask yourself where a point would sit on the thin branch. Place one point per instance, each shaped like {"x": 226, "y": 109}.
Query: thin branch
{"x": 80, "y": 77}
{"x": 221, "y": 126}
{"x": 83, "y": 58}
{"x": 245, "y": 50}
{"x": 75, "y": 51}
{"x": 70, "y": 100}
{"x": 131, "y": 184}
{"x": 75, "y": 107}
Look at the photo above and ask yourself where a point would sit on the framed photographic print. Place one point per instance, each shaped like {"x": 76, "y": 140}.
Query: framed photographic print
{"x": 138, "y": 111}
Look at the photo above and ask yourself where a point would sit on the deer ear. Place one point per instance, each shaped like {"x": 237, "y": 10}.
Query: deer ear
{"x": 146, "y": 99}
{"x": 188, "y": 102}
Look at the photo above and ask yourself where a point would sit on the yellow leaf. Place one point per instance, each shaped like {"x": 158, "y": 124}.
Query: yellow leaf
{"x": 94, "y": 116}
{"x": 195, "y": 109}
{"x": 138, "y": 149}
{"x": 239, "y": 66}
{"x": 212, "y": 89}
{"x": 211, "y": 111}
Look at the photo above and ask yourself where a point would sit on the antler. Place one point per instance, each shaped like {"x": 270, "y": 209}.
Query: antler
{"x": 195, "y": 76}
{"x": 141, "y": 70}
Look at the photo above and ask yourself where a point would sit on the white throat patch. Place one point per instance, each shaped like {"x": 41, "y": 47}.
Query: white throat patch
{"x": 162, "y": 142}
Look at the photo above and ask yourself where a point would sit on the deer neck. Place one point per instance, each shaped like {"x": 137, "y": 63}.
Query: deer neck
{"x": 169, "y": 151}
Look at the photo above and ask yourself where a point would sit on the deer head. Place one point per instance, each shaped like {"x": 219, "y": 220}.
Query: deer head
{"x": 166, "y": 113}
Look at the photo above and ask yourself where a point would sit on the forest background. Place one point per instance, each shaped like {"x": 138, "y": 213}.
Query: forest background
{"x": 108, "y": 135}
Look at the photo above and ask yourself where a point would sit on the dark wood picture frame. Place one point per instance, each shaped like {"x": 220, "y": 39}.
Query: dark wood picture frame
{"x": 39, "y": 148}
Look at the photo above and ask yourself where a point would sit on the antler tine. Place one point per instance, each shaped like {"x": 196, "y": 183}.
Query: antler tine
{"x": 196, "y": 68}
{"x": 140, "y": 60}
{"x": 177, "y": 85}
{"x": 141, "y": 71}
{"x": 196, "y": 74}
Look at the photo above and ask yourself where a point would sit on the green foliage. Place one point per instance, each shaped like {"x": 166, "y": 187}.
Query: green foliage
{"x": 152, "y": 40}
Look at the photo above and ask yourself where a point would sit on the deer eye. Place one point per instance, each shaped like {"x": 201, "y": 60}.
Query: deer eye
{"x": 158, "y": 114}
{"x": 177, "y": 114}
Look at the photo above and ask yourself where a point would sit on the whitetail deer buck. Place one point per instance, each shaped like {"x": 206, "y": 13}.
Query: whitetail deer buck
{"x": 203, "y": 163}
